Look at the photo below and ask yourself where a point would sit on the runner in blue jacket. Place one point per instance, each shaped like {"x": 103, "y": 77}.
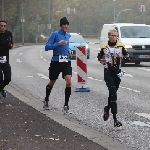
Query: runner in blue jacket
{"x": 60, "y": 62}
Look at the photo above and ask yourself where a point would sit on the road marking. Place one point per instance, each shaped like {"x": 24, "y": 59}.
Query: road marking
{"x": 18, "y": 60}
{"x": 143, "y": 124}
{"x": 94, "y": 79}
{"x": 20, "y": 53}
{"x": 143, "y": 115}
{"x": 29, "y": 76}
{"x": 136, "y": 91}
{"x": 44, "y": 59}
{"x": 129, "y": 89}
{"x": 42, "y": 76}
{"x": 127, "y": 75}
{"x": 139, "y": 123}
{"x": 144, "y": 69}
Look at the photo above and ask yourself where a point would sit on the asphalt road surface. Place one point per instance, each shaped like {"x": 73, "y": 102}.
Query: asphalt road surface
{"x": 30, "y": 76}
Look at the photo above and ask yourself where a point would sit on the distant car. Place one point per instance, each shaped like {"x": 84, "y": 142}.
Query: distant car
{"x": 77, "y": 40}
{"x": 43, "y": 36}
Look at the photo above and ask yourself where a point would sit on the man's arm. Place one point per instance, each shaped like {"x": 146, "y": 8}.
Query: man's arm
{"x": 10, "y": 44}
{"x": 51, "y": 44}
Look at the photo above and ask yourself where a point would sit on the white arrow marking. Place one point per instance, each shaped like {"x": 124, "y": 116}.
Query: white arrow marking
{"x": 143, "y": 115}
{"x": 139, "y": 123}
{"x": 144, "y": 69}
{"x": 42, "y": 76}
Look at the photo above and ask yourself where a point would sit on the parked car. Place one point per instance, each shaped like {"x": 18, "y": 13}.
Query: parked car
{"x": 77, "y": 40}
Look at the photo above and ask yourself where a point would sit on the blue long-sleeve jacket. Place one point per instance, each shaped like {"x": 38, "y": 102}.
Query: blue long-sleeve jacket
{"x": 53, "y": 44}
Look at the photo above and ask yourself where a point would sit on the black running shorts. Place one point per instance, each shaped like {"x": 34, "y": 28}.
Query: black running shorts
{"x": 57, "y": 67}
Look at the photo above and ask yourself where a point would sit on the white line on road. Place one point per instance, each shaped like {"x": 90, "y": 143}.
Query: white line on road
{"x": 42, "y": 76}
{"x": 18, "y": 60}
{"x": 94, "y": 79}
{"x": 44, "y": 59}
{"x": 29, "y": 76}
{"x": 139, "y": 123}
{"x": 143, "y": 124}
{"x": 144, "y": 69}
{"x": 143, "y": 115}
{"x": 129, "y": 89}
{"x": 127, "y": 75}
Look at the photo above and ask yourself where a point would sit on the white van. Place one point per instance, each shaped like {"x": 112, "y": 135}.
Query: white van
{"x": 135, "y": 37}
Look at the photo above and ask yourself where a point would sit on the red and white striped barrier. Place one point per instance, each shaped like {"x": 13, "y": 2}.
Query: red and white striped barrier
{"x": 81, "y": 58}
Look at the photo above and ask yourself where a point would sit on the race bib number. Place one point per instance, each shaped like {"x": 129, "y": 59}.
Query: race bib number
{"x": 63, "y": 58}
{"x": 3, "y": 59}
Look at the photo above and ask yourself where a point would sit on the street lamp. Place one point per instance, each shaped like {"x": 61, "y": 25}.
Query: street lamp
{"x": 22, "y": 20}
{"x": 121, "y": 12}
{"x": 143, "y": 12}
{"x": 49, "y": 16}
{"x": 114, "y": 11}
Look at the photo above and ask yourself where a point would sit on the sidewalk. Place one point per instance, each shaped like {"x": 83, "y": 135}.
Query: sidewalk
{"x": 24, "y": 128}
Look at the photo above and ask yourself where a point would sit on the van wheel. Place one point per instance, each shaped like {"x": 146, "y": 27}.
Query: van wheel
{"x": 137, "y": 63}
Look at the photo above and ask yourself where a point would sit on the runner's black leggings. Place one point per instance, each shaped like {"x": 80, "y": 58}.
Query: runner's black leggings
{"x": 5, "y": 74}
{"x": 112, "y": 82}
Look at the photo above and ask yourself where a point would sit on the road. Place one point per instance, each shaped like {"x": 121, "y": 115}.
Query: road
{"x": 30, "y": 76}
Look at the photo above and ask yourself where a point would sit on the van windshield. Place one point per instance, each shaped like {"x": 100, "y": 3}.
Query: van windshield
{"x": 135, "y": 31}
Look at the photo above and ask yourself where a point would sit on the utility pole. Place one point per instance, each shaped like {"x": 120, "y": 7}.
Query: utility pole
{"x": 144, "y": 12}
{"x": 2, "y": 9}
{"x": 49, "y": 17}
{"x": 114, "y": 11}
{"x": 22, "y": 20}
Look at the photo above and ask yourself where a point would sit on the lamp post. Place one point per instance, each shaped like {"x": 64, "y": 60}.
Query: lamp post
{"x": 3, "y": 9}
{"x": 121, "y": 12}
{"x": 49, "y": 16}
{"x": 114, "y": 11}
{"x": 22, "y": 21}
{"x": 143, "y": 11}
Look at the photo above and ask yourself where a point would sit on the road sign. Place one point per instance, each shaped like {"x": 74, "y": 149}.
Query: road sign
{"x": 49, "y": 26}
{"x": 142, "y": 8}
{"x": 68, "y": 10}
{"x": 22, "y": 20}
